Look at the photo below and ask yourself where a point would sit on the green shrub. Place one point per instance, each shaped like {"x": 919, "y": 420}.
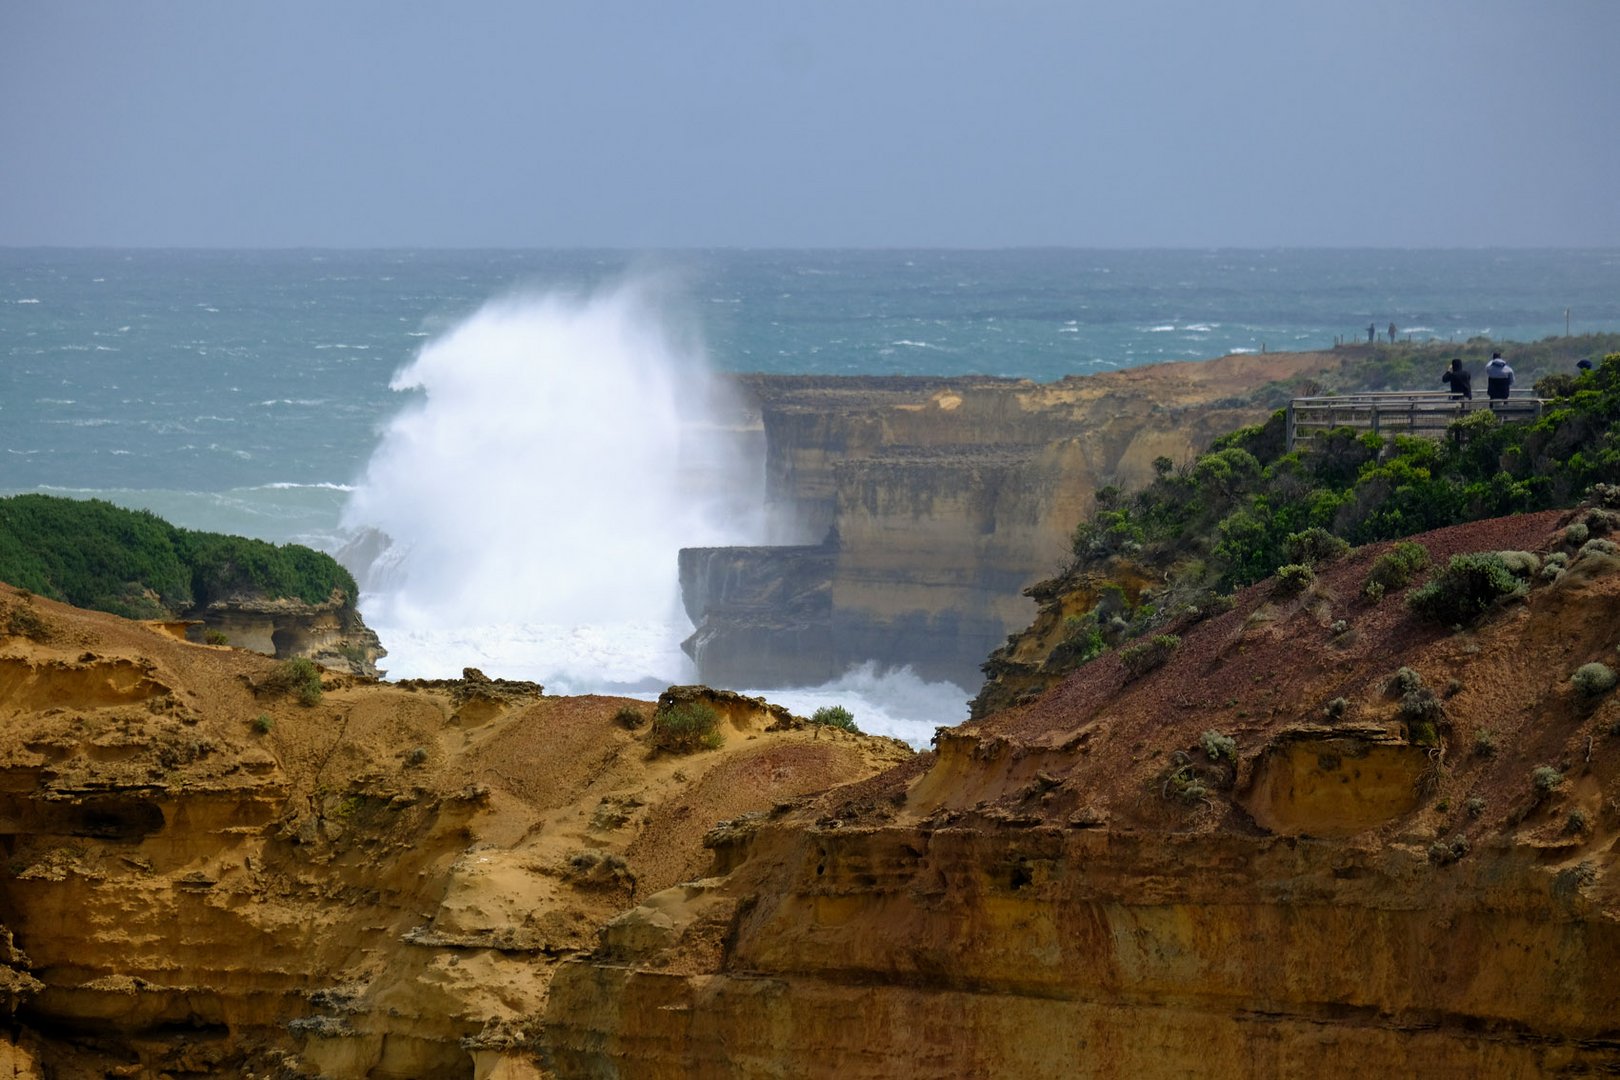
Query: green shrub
{"x": 1293, "y": 579}
{"x": 1146, "y": 656}
{"x": 1404, "y": 681}
{"x": 1395, "y": 568}
{"x": 1464, "y": 590}
{"x": 299, "y": 676}
{"x": 1217, "y": 746}
{"x": 685, "y": 729}
{"x": 1593, "y": 679}
{"x": 835, "y": 716}
{"x": 24, "y": 621}
{"x": 1475, "y": 806}
{"x": 1522, "y": 564}
{"x": 629, "y": 717}
{"x": 263, "y": 724}
{"x": 1314, "y": 546}
{"x": 216, "y": 637}
{"x": 1485, "y": 743}
{"x": 1598, "y": 547}
{"x": 1337, "y": 709}
{"x": 1576, "y": 824}
{"x": 1575, "y": 534}
{"x": 1544, "y": 779}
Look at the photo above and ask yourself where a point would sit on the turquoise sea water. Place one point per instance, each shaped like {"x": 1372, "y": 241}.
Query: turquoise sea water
{"x": 246, "y": 391}
{"x": 254, "y": 378}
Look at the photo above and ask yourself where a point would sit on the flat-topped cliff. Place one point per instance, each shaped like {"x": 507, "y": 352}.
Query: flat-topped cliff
{"x": 936, "y": 501}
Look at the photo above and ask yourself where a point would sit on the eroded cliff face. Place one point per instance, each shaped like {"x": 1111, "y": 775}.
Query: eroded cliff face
{"x": 941, "y": 499}
{"x": 331, "y": 633}
{"x": 1260, "y": 859}
{"x": 203, "y": 876}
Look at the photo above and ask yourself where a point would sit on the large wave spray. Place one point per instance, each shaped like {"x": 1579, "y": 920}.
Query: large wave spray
{"x": 525, "y": 514}
{"x": 562, "y": 451}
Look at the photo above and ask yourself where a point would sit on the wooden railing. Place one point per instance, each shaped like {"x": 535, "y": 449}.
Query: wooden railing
{"x": 1415, "y": 412}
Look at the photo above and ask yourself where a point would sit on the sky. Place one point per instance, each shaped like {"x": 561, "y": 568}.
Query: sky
{"x": 809, "y": 123}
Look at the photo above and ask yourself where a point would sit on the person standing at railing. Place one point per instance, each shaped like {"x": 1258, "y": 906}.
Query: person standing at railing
{"x": 1457, "y": 377}
{"x": 1498, "y": 378}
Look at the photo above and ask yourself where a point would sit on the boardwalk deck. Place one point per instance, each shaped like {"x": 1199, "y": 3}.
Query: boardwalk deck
{"x": 1417, "y": 412}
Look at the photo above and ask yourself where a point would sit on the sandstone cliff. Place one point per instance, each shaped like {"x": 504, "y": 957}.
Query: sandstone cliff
{"x": 204, "y": 876}
{"x": 936, "y": 501}
{"x": 1275, "y": 855}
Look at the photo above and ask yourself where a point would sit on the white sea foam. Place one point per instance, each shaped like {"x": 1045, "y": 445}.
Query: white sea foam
{"x": 1162, "y": 329}
{"x": 896, "y": 703}
{"x": 288, "y": 485}
{"x": 29, "y": 300}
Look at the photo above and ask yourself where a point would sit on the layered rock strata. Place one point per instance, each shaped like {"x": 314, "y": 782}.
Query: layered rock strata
{"x": 1275, "y": 855}
{"x": 916, "y": 510}
{"x": 203, "y": 876}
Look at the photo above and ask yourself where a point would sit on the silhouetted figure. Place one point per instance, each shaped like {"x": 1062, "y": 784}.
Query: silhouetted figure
{"x": 1457, "y": 377}
{"x": 1498, "y": 378}
{"x": 1392, "y": 333}
{"x": 1372, "y": 332}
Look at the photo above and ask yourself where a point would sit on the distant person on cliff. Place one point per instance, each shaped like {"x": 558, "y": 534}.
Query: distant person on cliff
{"x": 1372, "y": 332}
{"x": 1498, "y": 378}
{"x": 1457, "y": 377}
{"x": 1392, "y": 333}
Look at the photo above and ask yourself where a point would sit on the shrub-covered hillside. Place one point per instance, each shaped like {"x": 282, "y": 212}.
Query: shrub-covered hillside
{"x": 1248, "y": 507}
{"x": 130, "y": 562}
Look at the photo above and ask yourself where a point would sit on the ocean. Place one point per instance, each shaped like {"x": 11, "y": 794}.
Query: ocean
{"x": 520, "y": 423}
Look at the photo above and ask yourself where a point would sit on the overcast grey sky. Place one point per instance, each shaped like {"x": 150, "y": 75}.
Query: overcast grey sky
{"x": 676, "y": 123}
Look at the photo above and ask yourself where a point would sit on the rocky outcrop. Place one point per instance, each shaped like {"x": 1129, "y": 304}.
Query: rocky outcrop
{"x": 330, "y": 633}
{"x": 1278, "y": 854}
{"x": 931, "y": 503}
{"x": 205, "y": 875}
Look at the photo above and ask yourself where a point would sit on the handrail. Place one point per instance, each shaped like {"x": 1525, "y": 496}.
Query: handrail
{"x": 1413, "y": 412}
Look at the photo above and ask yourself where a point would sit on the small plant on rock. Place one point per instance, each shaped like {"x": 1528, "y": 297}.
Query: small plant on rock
{"x": 1475, "y": 806}
{"x": 1577, "y": 824}
{"x": 1337, "y": 709}
{"x": 1218, "y": 747}
{"x": 835, "y": 716}
{"x": 1594, "y": 679}
{"x": 685, "y": 729}
{"x": 1314, "y": 546}
{"x": 1395, "y": 569}
{"x": 1544, "y": 780}
{"x": 216, "y": 637}
{"x": 1293, "y": 579}
{"x": 299, "y": 676}
{"x": 1576, "y": 534}
{"x": 629, "y": 717}
{"x": 263, "y": 724}
{"x": 1485, "y": 743}
{"x": 1146, "y": 656}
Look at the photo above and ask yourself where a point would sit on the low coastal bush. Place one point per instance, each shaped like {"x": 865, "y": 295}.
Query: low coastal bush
{"x": 1314, "y": 546}
{"x": 299, "y": 677}
{"x": 1218, "y": 747}
{"x": 1293, "y": 579}
{"x": 1544, "y": 780}
{"x": 1464, "y": 590}
{"x": 1396, "y": 568}
{"x": 1593, "y": 679}
{"x": 835, "y": 716}
{"x": 1146, "y": 656}
{"x": 685, "y": 729}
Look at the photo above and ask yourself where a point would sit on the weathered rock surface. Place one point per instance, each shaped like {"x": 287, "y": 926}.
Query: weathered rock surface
{"x": 330, "y": 633}
{"x": 931, "y": 503}
{"x": 203, "y": 876}
{"x": 1205, "y": 870}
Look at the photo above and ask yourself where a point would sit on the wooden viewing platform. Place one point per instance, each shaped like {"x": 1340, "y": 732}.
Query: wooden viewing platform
{"x": 1413, "y": 412}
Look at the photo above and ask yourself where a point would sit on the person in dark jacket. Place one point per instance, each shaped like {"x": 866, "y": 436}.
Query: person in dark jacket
{"x": 1498, "y": 378}
{"x": 1461, "y": 383}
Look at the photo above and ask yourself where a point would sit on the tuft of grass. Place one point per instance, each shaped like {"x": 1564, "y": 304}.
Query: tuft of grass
{"x": 685, "y": 729}
{"x": 1475, "y": 806}
{"x": 216, "y": 637}
{"x": 1218, "y": 747}
{"x": 299, "y": 676}
{"x": 263, "y": 724}
{"x": 1293, "y": 579}
{"x": 835, "y": 716}
{"x": 1337, "y": 709}
{"x": 629, "y": 717}
{"x": 1485, "y": 743}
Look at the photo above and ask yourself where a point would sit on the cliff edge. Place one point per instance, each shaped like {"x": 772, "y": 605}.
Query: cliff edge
{"x": 1315, "y": 831}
